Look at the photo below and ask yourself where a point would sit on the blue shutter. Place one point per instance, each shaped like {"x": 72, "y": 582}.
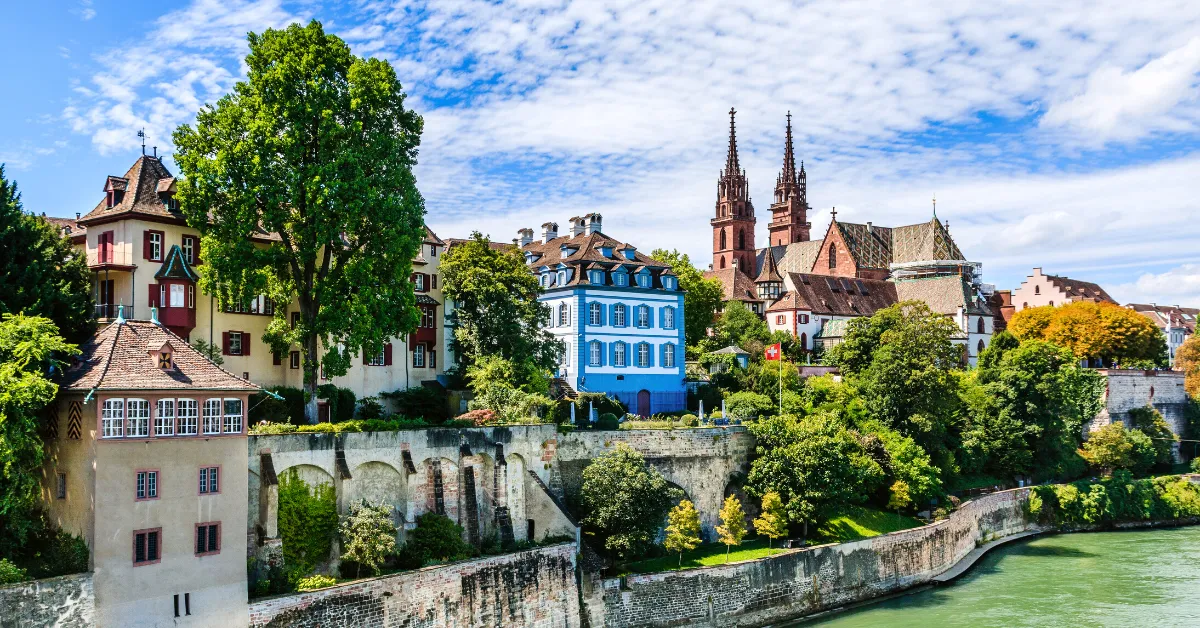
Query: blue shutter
{"x": 649, "y": 317}
{"x": 650, "y": 355}
{"x": 612, "y": 353}
{"x": 662, "y": 317}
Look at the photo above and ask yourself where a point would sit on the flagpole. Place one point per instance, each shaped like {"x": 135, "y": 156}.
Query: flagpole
{"x": 781, "y": 378}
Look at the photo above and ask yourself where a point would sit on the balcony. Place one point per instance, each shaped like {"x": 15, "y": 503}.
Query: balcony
{"x": 105, "y": 310}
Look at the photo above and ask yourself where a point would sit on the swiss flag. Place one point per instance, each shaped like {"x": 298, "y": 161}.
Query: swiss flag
{"x": 772, "y": 352}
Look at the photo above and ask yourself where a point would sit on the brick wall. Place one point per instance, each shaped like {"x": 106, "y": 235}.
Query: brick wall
{"x": 531, "y": 588}
{"x": 801, "y": 582}
{"x": 65, "y": 601}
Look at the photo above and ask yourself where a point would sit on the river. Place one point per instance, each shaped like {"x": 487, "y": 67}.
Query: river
{"x": 1139, "y": 578}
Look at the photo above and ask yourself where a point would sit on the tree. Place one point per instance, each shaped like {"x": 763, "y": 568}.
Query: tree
{"x": 308, "y": 521}
{"x": 625, "y": 501}
{"x": 1103, "y": 332}
{"x": 683, "y": 529}
{"x": 40, "y": 273}
{"x": 1114, "y": 447}
{"x": 741, "y": 327}
{"x": 772, "y": 520}
{"x": 909, "y": 466}
{"x": 733, "y": 524}
{"x": 301, "y": 183}
{"x": 1187, "y": 359}
{"x": 368, "y": 536}
{"x": 496, "y": 309}
{"x": 30, "y": 348}
{"x": 749, "y": 405}
{"x": 701, "y": 299}
{"x": 210, "y": 351}
{"x": 1150, "y": 422}
{"x": 437, "y": 537}
{"x": 815, "y": 465}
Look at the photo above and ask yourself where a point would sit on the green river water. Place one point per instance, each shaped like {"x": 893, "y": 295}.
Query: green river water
{"x": 1141, "y": 578}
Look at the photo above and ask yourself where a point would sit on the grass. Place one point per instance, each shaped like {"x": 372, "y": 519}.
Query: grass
{"x": 858, "y": 522}
{"x": 706, "y": 555}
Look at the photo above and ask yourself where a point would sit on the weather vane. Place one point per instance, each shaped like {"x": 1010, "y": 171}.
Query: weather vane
{"x": 142, "y": 135}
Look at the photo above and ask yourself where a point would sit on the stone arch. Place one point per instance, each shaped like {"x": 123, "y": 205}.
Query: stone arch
{"x": 434, "y": 488}
{"x": 312, "y": 475}
{"x": 512, "y": 474}
{"x": 477, "y": 497}
{"x": 723, "y": 242}
{"x": 379, "y": 483}
{"x": 752, "y": 507}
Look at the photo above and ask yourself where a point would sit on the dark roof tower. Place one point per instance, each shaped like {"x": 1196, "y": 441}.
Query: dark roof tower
{"x": 789, "y": 211}
{"x": 733, "y": 225}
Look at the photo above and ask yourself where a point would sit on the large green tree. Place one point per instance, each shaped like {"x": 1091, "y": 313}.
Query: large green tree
{"x": 40, "y": 273}
{"x": 625, "y": 501}
{"x": 30, "y": 349}
{"x": 738, "y": 325}
{"x": 1102, "y": 333}
{"x": 496, "y": 309}
{"x": 702, "y": 297}
{"x": 313, "y": 151}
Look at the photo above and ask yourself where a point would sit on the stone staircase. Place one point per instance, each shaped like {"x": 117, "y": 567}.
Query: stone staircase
{"x": 561, "y": 389}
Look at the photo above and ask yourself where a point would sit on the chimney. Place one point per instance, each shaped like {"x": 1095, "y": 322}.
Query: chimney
{"x": 549, "y": 231}
{"x": 869, "y": 227}
{"x": 593, "y": 223}
{"x": 1037, "y": 270}
{"x": 735, "y": 263}
{"x": 155, "y": 152}
{"x": 525, "y": 237}
{"x": 76, "y": 215}
{"x": 577, "y": 226}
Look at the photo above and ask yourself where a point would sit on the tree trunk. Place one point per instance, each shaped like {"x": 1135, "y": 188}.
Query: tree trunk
{"x": 311, "y": 372}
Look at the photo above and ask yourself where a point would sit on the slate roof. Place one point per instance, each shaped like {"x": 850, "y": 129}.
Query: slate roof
{"x": 737, "y": 284}
{"x": 586, "y": 249}
{"x": 734, "y": 349}
{"x": 175, "y": 266}
{"x": 141, "y": 185}
{"x": 69, "y": 227}
{"x": 1165, "y": 316}
{"x": 1080, "y": 290}
{"x": 495, "y": 246}
{"x": 836, "y": 296}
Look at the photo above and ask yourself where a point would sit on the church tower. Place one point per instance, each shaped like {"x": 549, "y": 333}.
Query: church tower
{"x": 733, "y": 226}
{"x": 789, "y": 211}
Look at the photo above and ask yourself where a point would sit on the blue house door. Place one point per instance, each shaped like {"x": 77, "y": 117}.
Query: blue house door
{"x": 643, "y": 408}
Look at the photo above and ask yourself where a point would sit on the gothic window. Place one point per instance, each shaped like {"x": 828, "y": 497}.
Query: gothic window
{"x": 722, "y": 259}
{"x": 833, "y": 256}
{"x": 981, "y": 327}
{"x": 1037, "y": 289}
{"x": 722, "y": 244}
{"x": 741, "y": 238}
{"x": 981, "y": 347}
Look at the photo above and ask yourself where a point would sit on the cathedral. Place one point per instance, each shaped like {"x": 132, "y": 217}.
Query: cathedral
{"x": 810, "y": 288}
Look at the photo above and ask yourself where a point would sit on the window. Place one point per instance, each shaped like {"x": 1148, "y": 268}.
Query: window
{"x": 620, "y": 279}
{"x": 164, "y": 418}
{"x": 60, "y": 486}
{"x": 191, "y": 297}
{"x": 418, "y": 360}
{"x": 980, "y": 348}
{"x": 208, "y": 539}
{"x": 235, "y": 343}
{"x": 668, "y": 283}
{"x": 375, "y": 360}
{"x": 669, "y": 355}
{"x": 164, "y": 360}
{"x": 294, "y": 359}
{"x": 566, "y": 356}
{"x": 643, "y": 280}
{"x": 723, "y": 246}
{"x": 212, "y": 416}
{"x": 154, "y": 243}
{"x": 780, "y": 319}
{"x": 177, "y": 295}
{"x": 186, "y": 411}
{"x": 545, "y": 280}
{"x": 594, "y": 353}
{"x": 619, "y": 354}
{"x": 803, "y": 318}
{"x": 146, "y": 546}
{"x": 187, "y": 604}
{"x": 1052, "y": 304}
{"x": 594, "y": 314}
{"x": 161, "y": 299}
{"x": 643, "y": 354}
{"x": 189, "y": 249}
{"x": 433, "y": 250}
{"x": 832, "y": 255}
{"x": 741, "y": 239}
{"x": 980, "y": 328}
{"x": 619, "y": 315}
{"x": 428, "y": 317}
{"x": 643, "y": 316}
{"x": 233, "y": 416}
{"x": 596, "y": 277}
{"x": 563, "y": 315}
{"x": 295, "y": 319}
{"x": 419, "y": 282}
{"x": 147, "y": 485}
{"x": 562, "y": 277}
{"x": 210, "y": 480}
{"x": 1037, "y": 289}
{"x": 137, "y": 417}
{"x": 668, "y": 318}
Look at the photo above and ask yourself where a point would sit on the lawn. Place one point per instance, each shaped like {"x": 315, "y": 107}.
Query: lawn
{"x": 704, "y": 556}
{"x": 857, "y": 522}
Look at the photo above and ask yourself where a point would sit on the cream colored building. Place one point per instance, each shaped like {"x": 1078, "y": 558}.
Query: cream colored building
{"x": 1040, "y": 289}
{"x": 143, "y": 254}
{"x": 146, "y": 460}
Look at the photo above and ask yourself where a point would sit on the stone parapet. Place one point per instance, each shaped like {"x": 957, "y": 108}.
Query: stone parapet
{"x": 66, "y": 601}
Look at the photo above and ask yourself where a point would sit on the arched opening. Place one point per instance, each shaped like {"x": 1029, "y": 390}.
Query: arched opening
{"x": 832, "y": 255}
{"x": 804, "y": 341}
{"x": 981, "y": 328}
{"x": 1025, "y": 305}
{"x": 980, "y": 348}
{"x": 722, "y": 261}
{"x": 643, "y": 403}
{"x": 723, "y": 247}
{"x": 513, "y": 482}
{"x": 741, "y": 238}
{"x": 1037, "y": 289}
{"x": 379, "y": 483}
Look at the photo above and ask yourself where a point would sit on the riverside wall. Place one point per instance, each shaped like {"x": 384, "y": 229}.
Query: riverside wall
{"x": 66, "y": 601}
{"x": 534, "y": 588}
{"x": 801, "y": 582}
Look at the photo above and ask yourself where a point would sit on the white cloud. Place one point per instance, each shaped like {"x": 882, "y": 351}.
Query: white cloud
{"x": 84, "y": 10}
{"x": 1177, "y": 286}
{"x": 1121, "y": 105}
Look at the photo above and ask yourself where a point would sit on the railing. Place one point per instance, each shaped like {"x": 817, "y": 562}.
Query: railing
{"x": 106, "y": 310}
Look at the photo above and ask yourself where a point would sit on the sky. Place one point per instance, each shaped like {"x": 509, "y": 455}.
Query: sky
{"x": 1061, "y": 135}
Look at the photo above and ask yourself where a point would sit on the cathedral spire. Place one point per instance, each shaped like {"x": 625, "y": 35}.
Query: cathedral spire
{"x": 789, "y": 154}
{"x": 789, "y": 212}
{"x": 731, "y": 160}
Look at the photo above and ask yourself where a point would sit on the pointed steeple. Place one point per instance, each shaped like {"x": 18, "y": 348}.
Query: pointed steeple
{"x": 789, "y": 212}
{"x": 789, "y": 154}
{"x": 731, "y": 159}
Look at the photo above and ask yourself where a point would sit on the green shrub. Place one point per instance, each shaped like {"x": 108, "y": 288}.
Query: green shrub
{"x": 341, "y": 402}
{"x": 1116, "y": 499}
{"x": 308, "y": 521}
{"x": 51, "y": 553}
{"x": 10, "y": 573}
{"x": 748, "y": 405}
{"x": 290, "y": 409}
{"x": 313, "y": 583}
{"x": 369, "y": 409}
{"x": 273, "y": 428}
{"x": 435, "y": 538}
{"x": 690, "y": 420}
{"x": 420, "y": 401}
{"x": 608, "y": 421}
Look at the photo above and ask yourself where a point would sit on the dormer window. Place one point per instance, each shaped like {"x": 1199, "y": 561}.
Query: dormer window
{"x": 562, "y": 277}
{"x": 168, "y": 199}
{"x": 165, "y": 357}
{"x": 643, "y": 280}
{"x": 630, "y": 252}
{"x": 606, "y": 251}
{"x": 620, "y": 279}
{"x": 596, "y": 277}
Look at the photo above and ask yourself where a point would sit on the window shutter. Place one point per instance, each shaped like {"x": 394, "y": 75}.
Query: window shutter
{"x": 196, "y": 251}
{"x": 146, "y": 245}
{"x": 225, "y": 343}
{"x": 433, "y": 281}
{"x": 245, "y": 343}
{"x": 650, "y": 355}
{"x": 650, "y": 317}
{"x": 387, "y": 354}
{"x": 153, "y": 297}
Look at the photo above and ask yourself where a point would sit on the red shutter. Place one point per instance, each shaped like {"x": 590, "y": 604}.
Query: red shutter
{"x": 196, "y": 251}
{"x": 245, "y": 343}
{"x": 387, "y": 354}
{"x": 225, "y": 343}
{"x": 153, "y": 299}
{"x": 145, "y": 245}
{"x": 433, "y": 282}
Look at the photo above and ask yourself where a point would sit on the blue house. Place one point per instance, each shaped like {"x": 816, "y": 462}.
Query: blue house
{"x": 619, "y": 313}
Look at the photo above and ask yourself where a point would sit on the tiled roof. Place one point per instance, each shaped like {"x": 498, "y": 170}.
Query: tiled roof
{"x": 1080, "y": 290}
{"x": 141, "y": 185}
{"x": 944, "y": 295}
{"x": 837, "y": 296}
{"x": 1168, "y": 315}
{"x": 798, "y": 257}
{"x": 923, "y": 242}
{"x": 835, "y": 328}
{"x": 66, "y": 226}
{"x": 496, "y": 246}
{"x": 119, "y": 357}
{"x": 768, "y": 271}
{"x": 870, "y": 246}
{"x": 734, "y": 349}
{"x": 585, "y": 250}
{"x": 431, "y": 237}
{"x": 738, "y": 286}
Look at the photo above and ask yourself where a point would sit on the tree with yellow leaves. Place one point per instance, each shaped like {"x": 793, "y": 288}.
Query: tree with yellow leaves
{"x": 1187, "y": 359}
{"x": 1103, "y": 333}
{"x": 733, "y": 524}
{"x": 683, "y": 529}
{"x": 772, "y": 523}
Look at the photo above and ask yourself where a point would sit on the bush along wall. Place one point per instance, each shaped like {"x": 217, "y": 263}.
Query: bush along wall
{"x": 1114, "y": 500}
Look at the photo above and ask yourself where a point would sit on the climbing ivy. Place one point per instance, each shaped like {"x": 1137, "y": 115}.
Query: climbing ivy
{"x": 308, "y": 521}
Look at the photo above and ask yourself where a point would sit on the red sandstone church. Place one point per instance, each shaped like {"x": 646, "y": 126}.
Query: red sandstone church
{"x": 812, "y": 287}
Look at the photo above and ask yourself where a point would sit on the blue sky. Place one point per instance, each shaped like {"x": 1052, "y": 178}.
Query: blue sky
{"x": 1066, "y": 138}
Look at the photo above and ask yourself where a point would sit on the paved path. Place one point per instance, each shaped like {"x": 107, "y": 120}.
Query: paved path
{"x": 968, "y": 561}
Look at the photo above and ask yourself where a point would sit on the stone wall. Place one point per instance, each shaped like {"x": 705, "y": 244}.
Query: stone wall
{"x": 66, "y": 601}
{"x": 531, "y": 588}
{"x": 801, "y": 582}
{"x": 1129, "y": 389}
{"x": 703, "y": 462}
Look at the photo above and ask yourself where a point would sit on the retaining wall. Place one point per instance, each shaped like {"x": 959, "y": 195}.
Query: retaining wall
{"x": 531, "y": 588}
{"x": 801, "y": 582}
{"x": 66, "y": 601}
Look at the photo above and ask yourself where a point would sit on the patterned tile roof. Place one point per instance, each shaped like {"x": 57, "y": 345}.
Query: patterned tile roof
{"x": 871, "y": 246}
{"x": 738, "y": 286}
{"x": 923, "y": 242}
{"x": 1165, "y": 316}
{"x": 768, "y": 270}
{"x": 122, "y": 357}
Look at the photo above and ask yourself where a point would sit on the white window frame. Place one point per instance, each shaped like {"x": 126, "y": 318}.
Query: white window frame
{"x": 189, "y": 251}
{"x": 156, "y": 246}
{"x": 212, "y": 415}
{"x": 377, "y": 359}
{"x": 146, "y": 485}
{"x": 232, "y": 412}
{"x": 643, "y": 355}
{"x": 564, "y": 315}
{"x": 418, "y": 356}
{"x": 235, "y": 337}
{"x": 595, "y": 353}
{"x": 669, "y": 355}
{"x": 619, "y": 354}
{"x": 419, "y": 282}
{"x": 595, "y": 313}
{"x": 619, "y": 279}
{"x": 164, "y": 418}
{"x": 162, "y": 295}
{"x": 191, "y": 297}
{"x": 619, "y": 315}
{"x": 643, "y": 316}
{"x": 187, "y": 416}
{"x": 112, "y": 418}
{"x": 177, "y": 295}
{"x": 562, "y": 277}
{"x": 643, "y": 280}
{"x": 669, "y": 317}
{"x": 597, "y": 277}
{"x": 137, "y": 418}
{"x": 566, "y": 357}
